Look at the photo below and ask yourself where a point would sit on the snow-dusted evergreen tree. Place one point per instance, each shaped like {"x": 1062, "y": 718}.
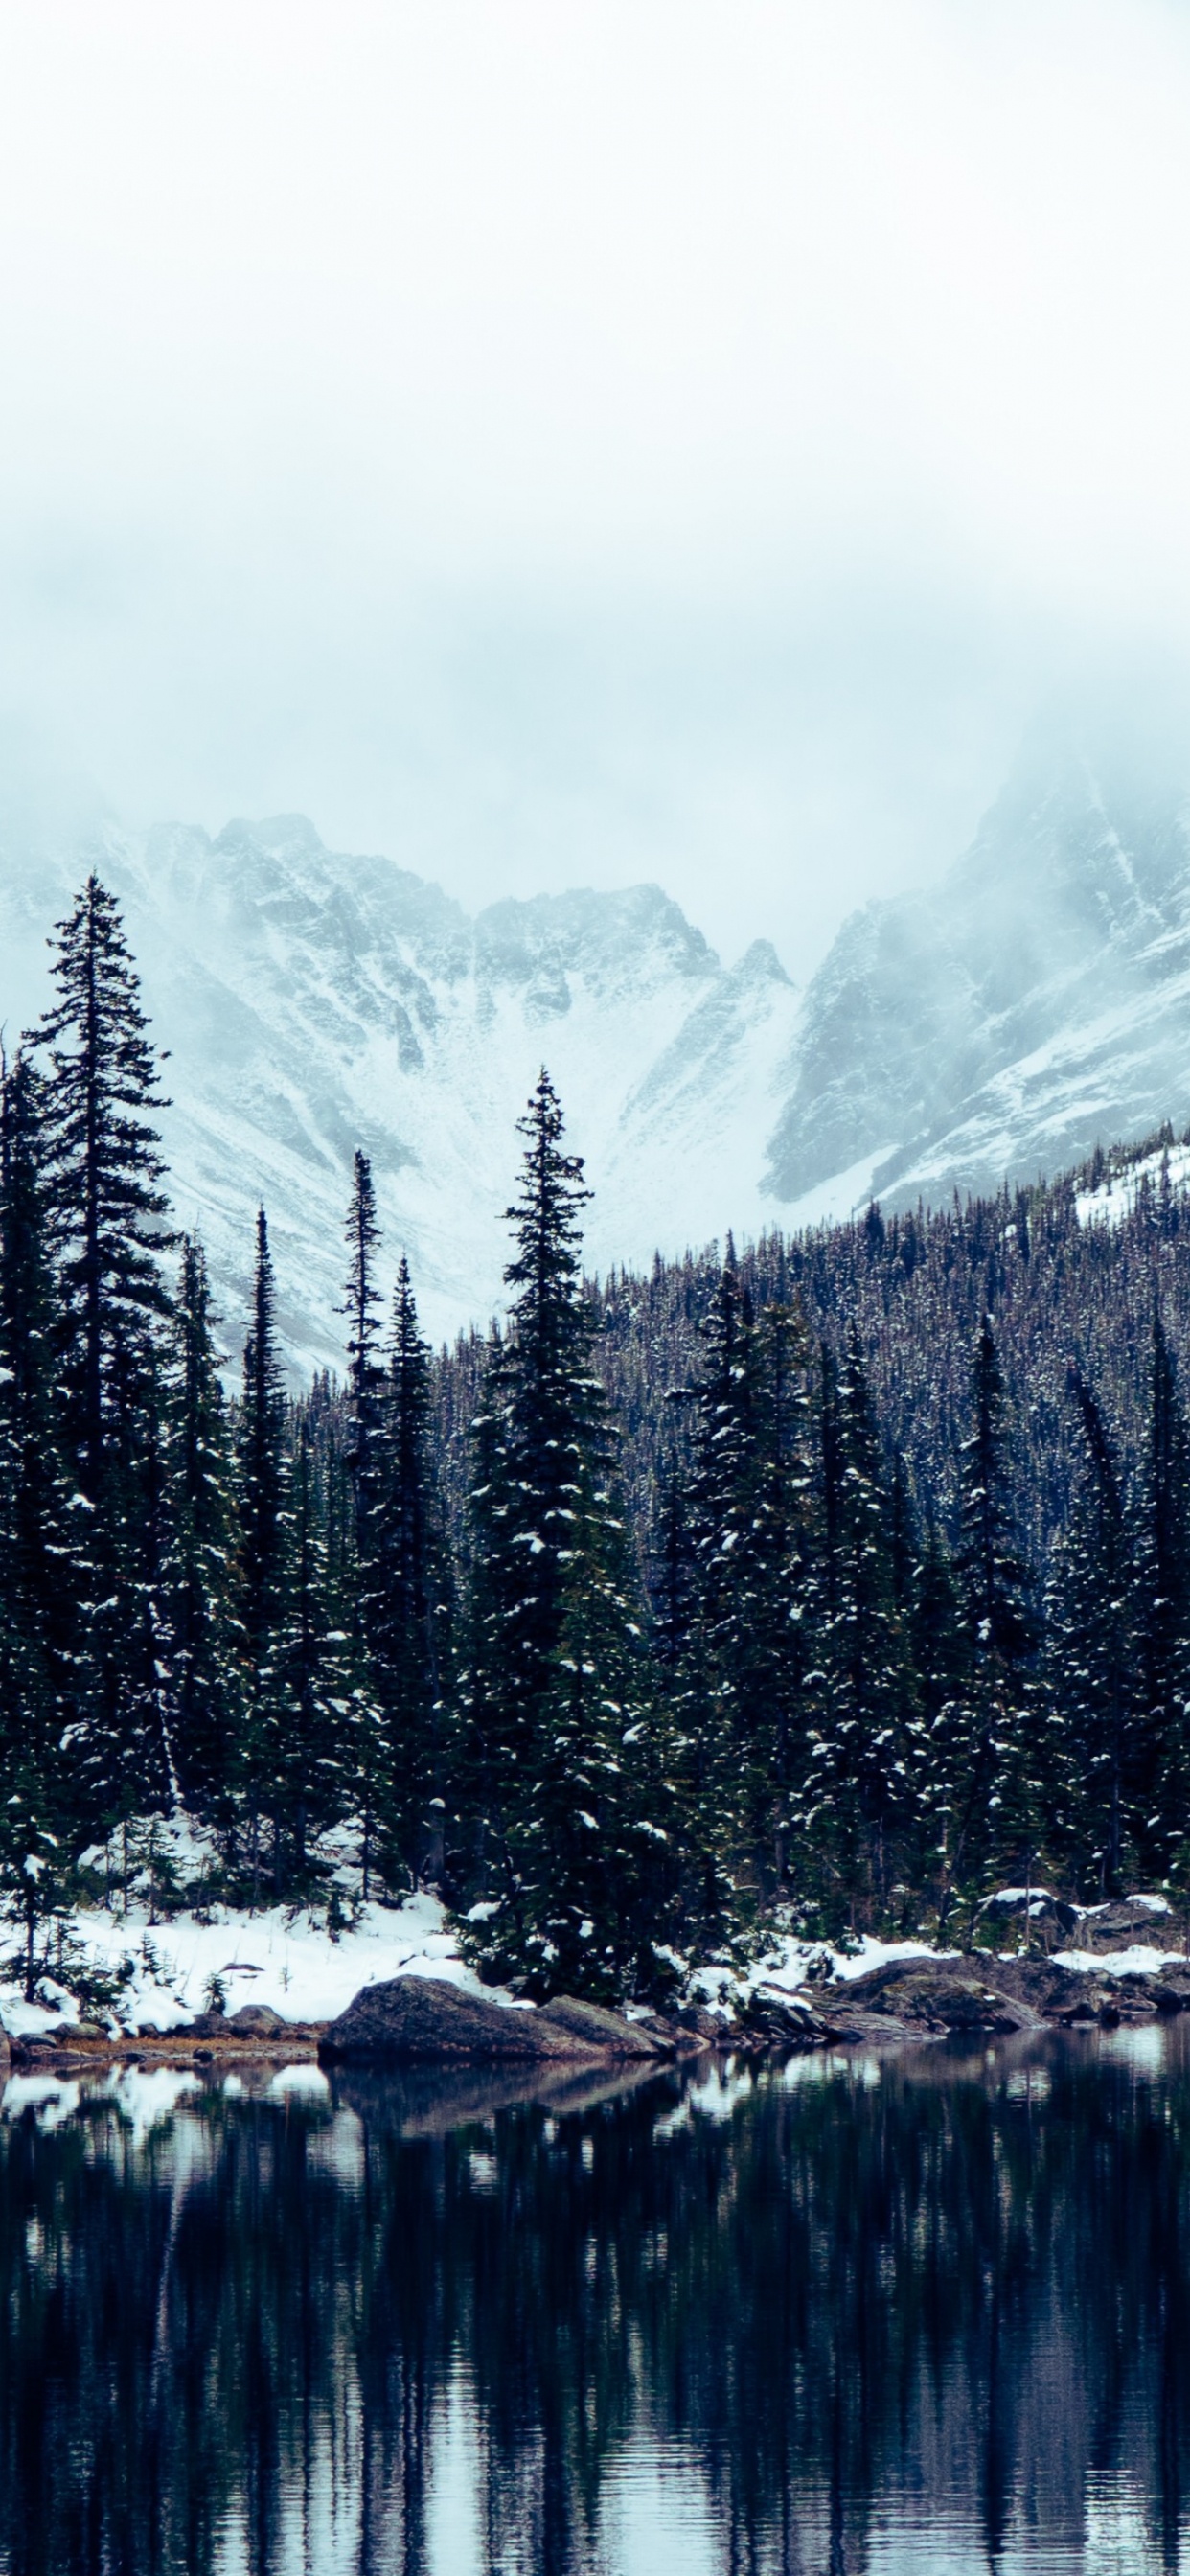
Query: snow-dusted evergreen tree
{"x": 104, "y": 1170}
{"x": 775, "y": 1612}
{"x": 713, "y": 1761}
{"x": 998, "y": 1756}
{"x": 742, "y": 1678}
{"x": 147, "y": 1781}
{"x": 556, "y": 1687}
{"x": 263, "y": 1550}
{"x": 206, "y": 1637}
{"x": 108, "y": 1228}
{"x": 37, "y": 1557}
{"x": 861, "y": 1777}
{"x": 1164, "y": 1613}
{"x": 363, "y": 1307}
{"x": 1091, "y": 1668}
{"x": 409, "y": 1614}
{"x": 940, "y": 1650}
{"x": 36, "y": 1592}
{"x": 360, "y": 1751}
{"x": 314, "y": 1735}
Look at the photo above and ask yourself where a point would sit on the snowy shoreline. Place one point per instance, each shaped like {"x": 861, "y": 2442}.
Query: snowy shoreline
{"x": 166, "y": 1975}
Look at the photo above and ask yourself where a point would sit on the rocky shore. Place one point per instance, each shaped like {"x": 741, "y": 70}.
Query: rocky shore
{"x": 1117, "y": 1974}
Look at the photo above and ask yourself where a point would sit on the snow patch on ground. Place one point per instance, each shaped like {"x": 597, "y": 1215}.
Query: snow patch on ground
{"x": 1117, "y": 1193}
{"x": 1141, "y": 1960}
{"x": 785, "y": 1968}
{"x": 286, "y": 1960}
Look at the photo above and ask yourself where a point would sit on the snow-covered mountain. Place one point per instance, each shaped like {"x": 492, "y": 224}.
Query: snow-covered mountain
{"x": 1035, "y": 1003}
{"x": 314, "y": 1001}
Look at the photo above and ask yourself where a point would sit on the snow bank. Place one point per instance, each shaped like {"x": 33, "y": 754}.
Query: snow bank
{"x": 167, "y": 1971}
{"x": 1141, "y": 1960}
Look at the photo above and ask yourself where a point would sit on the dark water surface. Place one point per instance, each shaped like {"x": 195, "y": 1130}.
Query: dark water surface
{"x": 920, "y": 2314}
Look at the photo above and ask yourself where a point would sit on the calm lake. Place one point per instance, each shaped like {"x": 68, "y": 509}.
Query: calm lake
{"x": 924, "y": 2313}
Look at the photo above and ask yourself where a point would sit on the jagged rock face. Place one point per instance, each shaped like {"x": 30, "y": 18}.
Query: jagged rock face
{"x": 315, "y": 1001}
{"x": 1031, "y": 1006}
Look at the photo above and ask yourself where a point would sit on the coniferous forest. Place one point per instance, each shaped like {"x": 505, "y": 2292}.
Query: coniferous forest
{"x": 849, "y": 1576}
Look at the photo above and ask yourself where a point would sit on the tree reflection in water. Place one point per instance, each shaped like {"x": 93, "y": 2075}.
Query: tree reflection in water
{"x": 935, "y": 2306}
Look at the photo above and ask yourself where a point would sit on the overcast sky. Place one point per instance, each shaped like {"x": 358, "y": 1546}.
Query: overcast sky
{"x": 568, "y": 443}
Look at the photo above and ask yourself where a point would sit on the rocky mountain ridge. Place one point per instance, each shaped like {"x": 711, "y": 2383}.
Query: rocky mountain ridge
{"x": 314, "y": 1001}
{"x": 998, "y": 1025}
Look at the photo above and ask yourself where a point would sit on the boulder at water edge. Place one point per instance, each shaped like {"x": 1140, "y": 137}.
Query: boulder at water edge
{"x": 407, "y": 2019}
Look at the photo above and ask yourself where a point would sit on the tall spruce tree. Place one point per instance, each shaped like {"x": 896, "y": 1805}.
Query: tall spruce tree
{"x": 941, "y": 1661}
{"x": 996, "y": 1756}
{"x": 36, "y": 1591}
{"x": 313, "y": 1684}
{"x": 37, "y": 1556}
{"x": 263, "y": 1552}
{"x": 363, "y": 1308}
{"x": 715, "y": 1762}
{"x": 860, "y": 1784}
{"x": 556, "y": 1690}
{"x": 1164, "y": 1615}
{"x": 410, "y": 1613}
{"x": 103, "y": 1167}
{"x": 205, "y": 1630}
{"x": 745, "y": 1671}
{"x": 1091, "y": 1663}
{"x": 108, "y": 1215}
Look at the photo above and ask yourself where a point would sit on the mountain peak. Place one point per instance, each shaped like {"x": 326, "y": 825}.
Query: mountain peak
{"x": 1007, "y": 1018}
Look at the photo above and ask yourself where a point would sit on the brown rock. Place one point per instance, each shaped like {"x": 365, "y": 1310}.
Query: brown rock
{"x": 407, "y": 2019}
{"x": 1123, "y": 1922}
{"x": 256, "y": 2021}
{"x": 938, "y": 1995}
{"x": 598, "y": 2029}
{"x": 849, "y": 2026}
{"x": 778, "y": 2020}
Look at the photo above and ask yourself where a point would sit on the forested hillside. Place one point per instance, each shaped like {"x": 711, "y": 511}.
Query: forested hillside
{"x": 850, "y": 1576}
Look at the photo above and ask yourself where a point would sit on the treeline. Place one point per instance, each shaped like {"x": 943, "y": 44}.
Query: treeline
{"x": 852, "y": 1576}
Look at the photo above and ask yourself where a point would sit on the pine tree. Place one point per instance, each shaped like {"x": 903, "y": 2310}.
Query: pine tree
{"x": 146, "y": 1779}
{"x": 555, "y": 1686}
{"x": 409, "y": 1615}
{"x": 715, "y": 1760}
{"x": 103, "y": 1167}
{"x": 748, "y": 1514}
{"x": 860, "y": 1784}
{"x": 998, "y": 1759}
{"x": 941, "y": 1661}
{"x": 362, "y": 1308}
{"x": 360, "y": 1751}
{"x": 38, "y": 1570}
{"x": 775, "y": 1615}
{"x": 263, "y": 1549}
{"x": 314, "y": 1737}
{"x": 1164, "y": 1614}
{"x": 107, "y": 1213}
{"x": 205, "y": 1632}
{"x": 1091, "y": 1662}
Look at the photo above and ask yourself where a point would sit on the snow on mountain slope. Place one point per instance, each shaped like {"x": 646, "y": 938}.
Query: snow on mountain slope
{"x": 1035, "y": 1003}
{"x": 314, "y": 1001}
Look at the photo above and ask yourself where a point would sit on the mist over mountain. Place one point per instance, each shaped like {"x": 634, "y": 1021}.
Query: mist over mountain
{"x": 314, "y": 1001}
{"x": 997, "y": 1025}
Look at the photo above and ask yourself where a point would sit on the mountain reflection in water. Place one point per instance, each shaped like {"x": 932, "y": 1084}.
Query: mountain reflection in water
{"x": 929, "y": 2313}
